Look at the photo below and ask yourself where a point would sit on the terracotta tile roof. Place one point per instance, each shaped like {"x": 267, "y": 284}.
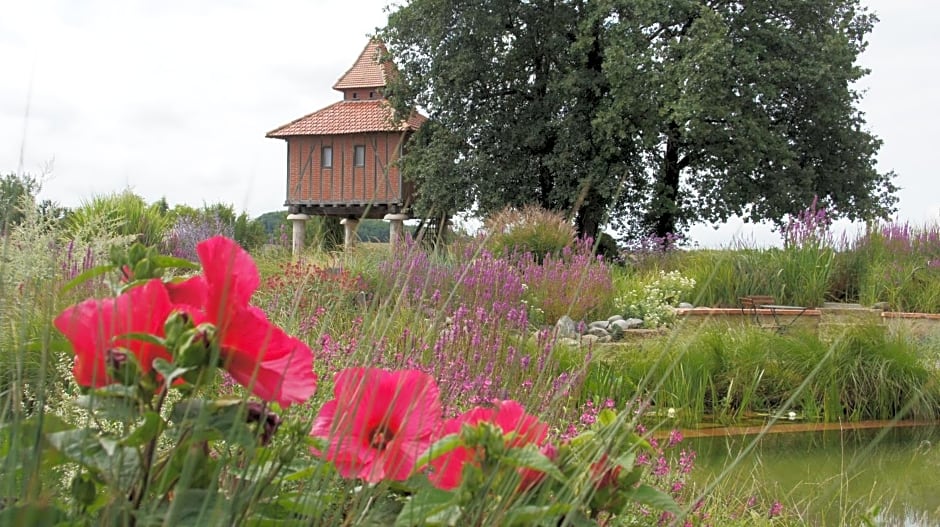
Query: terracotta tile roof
{"x": 367, "y": 72}
{"x": 348, "y": 117}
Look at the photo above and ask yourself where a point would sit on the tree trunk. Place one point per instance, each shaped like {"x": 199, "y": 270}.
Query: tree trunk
{"x": 663, "y": 215}
{"x": 591, "y": 213}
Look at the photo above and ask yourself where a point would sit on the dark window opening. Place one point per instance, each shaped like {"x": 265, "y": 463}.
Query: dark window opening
{"x": 359, "y": 155}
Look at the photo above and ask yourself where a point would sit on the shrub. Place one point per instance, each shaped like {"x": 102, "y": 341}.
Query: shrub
{"x": 574, "y": 283}
{"x": 188, "y": 230}
{"x": 119, "y": 214}
{"x": 655, "y": 303}
{"x": 530, "y": 229}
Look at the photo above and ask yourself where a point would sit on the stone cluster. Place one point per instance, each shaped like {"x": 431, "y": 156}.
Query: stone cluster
{"x": 614, "y": 329}
{"x": 567, "y": 331}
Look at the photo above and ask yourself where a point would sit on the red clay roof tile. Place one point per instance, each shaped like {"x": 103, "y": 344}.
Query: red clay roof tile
{"x": 367, "y": 71}
{"x": 349, "y": 117}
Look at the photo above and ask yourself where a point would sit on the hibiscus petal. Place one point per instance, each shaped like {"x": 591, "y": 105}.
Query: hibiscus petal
{"x": 323, "y": 425}
{"x": 265, "y": 359}
{"x": 230, "y": 272}
{"x": 85, "y": 327}
{"x": 192, "y": 292}
{"x": 93, "y": 325}
{"x": 379, "y": 419}
{"x": 416, "y": 410}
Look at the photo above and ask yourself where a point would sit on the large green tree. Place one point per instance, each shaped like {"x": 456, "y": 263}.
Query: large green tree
{"x": 650, "y": 113}
{"x": 15, "y": 192}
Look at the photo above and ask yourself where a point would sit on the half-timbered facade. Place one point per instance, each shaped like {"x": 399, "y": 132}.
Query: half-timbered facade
{"x": 341, "y": 160}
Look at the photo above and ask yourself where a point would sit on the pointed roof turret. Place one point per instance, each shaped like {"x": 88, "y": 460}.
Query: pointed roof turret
{"x": 363, "y": 109}
{"x": 368, "y": 71}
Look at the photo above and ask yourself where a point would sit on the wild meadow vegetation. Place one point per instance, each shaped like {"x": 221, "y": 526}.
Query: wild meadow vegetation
{"x": 186, "y": 381}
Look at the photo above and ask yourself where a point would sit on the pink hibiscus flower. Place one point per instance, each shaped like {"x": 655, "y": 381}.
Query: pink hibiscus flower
{"x": 510, "y": 416}
{"x": 94, "y": 327}
{"x": 379, "y": 422}
{"x": 255, "y": 352}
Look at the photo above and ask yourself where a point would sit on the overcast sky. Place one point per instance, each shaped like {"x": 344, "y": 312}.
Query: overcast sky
{"x": 173, "y": 98}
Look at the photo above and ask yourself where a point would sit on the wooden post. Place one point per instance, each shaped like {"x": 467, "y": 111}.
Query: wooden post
{"x": 396, "y": 227}
{"x": 297, "y": 233}
{"x": 349, "y": 232}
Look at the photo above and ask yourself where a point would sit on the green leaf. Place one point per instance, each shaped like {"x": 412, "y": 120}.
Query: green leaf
{"x": 114, "y": 401}
{"x": 583, "y": 438}
{"x": 213, "y": 420}
{"x": 535, "y": 514}
{"x": 647, "y": 495}
{"x": 116, "y": 464}
{"x": 607, "y": 417}
{"x": 191, "y": 507}
{"x": 530, "y": 457}
{"x": 38, "y": 514}
{"x": 430, "y": 506}
{"x": 87, "y": 275}
{"x": 143, "y": 337}
{"x": 439, "y": 448}
{"x": 172, "y": 261}
{"x": 311, "y": 504}
{"x": 169, "y": 371}
{"x": 577, "y": 518}
{"x": 148, "y": 430}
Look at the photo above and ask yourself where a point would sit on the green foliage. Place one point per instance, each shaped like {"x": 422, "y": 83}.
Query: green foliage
{"x": 324, "y": 232}
{"x": 530, "y": 229}
{"x": 731, "y": 374}
{"x": 658, "y": 114}
{"x": 120, "y": 214}
{"x": 250, "y": 234}
{"x": 793, "y": 276}
{"x": 656, "y": 301}
{"x": 15, "y": 192}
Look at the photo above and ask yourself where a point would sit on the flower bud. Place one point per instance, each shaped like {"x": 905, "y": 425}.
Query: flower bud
{"x": 270, "y": 421}
{"x": 83, "y": 490}
{"x": 122, "y": 366}
{"x": 197, "y": 348}
{"x": 175, "y": 326}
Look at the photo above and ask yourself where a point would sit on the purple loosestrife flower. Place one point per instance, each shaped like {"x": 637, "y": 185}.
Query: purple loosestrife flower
{"x": 675, "y": 437}
{"x": 686, "y": 461}
{"x": 662, "y": 466}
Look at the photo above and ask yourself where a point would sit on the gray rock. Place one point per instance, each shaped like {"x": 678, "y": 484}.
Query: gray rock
{"x": 587, "y": 340}
{"x": 598, "y": 332}
{"x": 685, "y": 305}
{"x": 603, "y": 324}
{"x": 634, "y": 323}
{"x": 568, "y": 342}
{"x": 565, "y": 328}
{"x": 619, "y": 326}
{"x": 604, "y": 340}
{"x": 614, "y": 318}
{"x": 884, "y": 306}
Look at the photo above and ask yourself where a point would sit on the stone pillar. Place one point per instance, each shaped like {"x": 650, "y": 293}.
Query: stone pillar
{"x": 349, "y": 232}
{"x": 396, "y": 227}
{"x": 297, "y": 234}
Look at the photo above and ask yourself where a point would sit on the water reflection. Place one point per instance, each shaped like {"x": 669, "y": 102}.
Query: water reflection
{"x": 836, "y": 475}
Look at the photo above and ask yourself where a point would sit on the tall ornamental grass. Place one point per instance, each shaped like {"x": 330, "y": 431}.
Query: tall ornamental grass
{"x": 729, "y": 375}
{"x": 898, "y": 264}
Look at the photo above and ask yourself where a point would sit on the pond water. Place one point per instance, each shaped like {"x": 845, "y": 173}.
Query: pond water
{"x": 833, "y": 475}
